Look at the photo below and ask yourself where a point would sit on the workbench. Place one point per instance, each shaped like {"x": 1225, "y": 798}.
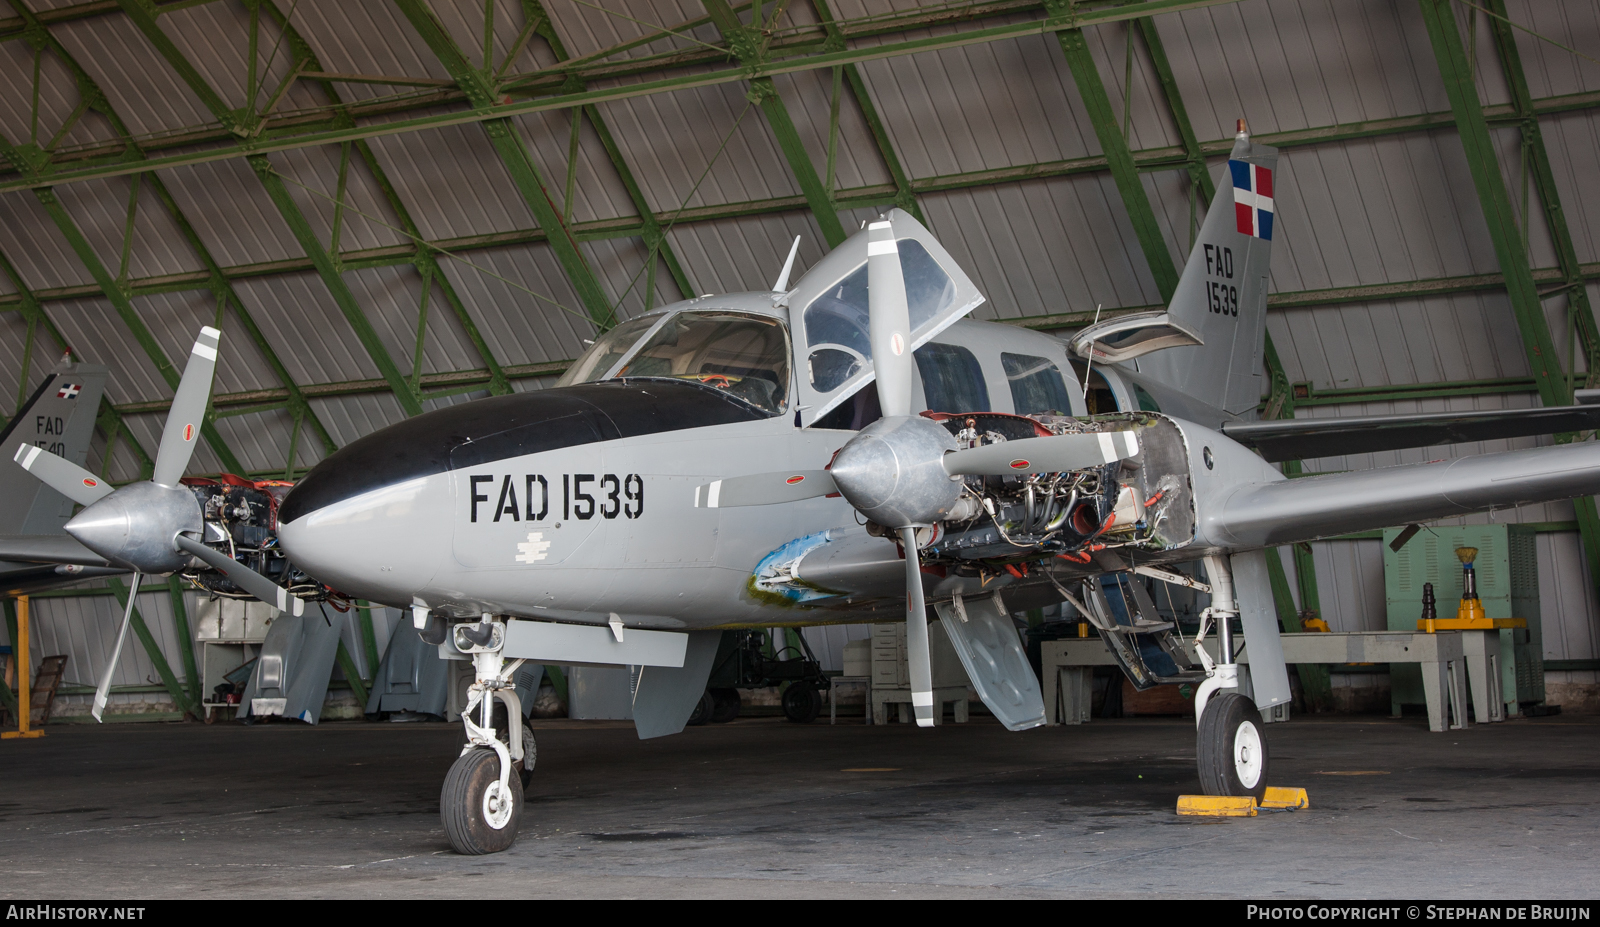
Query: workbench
{"x": 1067, "y": 666}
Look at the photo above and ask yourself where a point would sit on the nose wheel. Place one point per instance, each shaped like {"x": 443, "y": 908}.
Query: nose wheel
{"x": 1231, "y": 749}
{"x": 480, "y": 812}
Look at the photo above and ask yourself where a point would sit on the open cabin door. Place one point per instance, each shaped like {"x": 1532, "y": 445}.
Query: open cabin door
{"x": 828, "y": 311}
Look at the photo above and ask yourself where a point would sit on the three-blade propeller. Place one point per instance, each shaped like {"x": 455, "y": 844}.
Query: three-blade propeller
{"x": 152, "y": 526}
{"x": 904, "y": 471}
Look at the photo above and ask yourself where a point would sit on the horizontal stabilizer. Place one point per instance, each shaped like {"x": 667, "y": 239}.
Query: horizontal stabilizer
{"x": 1304, "y": 439}
{"x": 1307, "y": 508}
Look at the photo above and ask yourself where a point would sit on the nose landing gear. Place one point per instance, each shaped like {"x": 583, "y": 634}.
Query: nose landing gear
{"x": 482, "y": 798}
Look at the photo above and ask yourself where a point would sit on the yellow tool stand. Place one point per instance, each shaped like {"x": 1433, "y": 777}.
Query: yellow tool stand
{"x": 24, "y": 688}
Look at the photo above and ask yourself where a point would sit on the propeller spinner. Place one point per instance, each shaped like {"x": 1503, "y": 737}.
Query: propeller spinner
{"x": 151, "y": 526}
{"x": 904, "y": 471}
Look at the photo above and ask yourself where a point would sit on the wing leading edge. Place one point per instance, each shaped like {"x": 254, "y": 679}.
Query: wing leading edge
{"x": 1307, "y": 508}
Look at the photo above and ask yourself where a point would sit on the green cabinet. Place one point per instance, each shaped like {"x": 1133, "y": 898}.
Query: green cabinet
{"x": 1508, "y": 585}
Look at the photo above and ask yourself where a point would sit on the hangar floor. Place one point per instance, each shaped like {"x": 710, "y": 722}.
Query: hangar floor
{"x": 763, "y": 808}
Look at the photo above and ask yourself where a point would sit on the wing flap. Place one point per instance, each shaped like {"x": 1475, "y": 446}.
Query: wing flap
{"x": 1303, "y": 439}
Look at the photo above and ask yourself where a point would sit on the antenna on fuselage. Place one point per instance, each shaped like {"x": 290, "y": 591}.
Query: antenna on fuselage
{"x": 783, "y": 278}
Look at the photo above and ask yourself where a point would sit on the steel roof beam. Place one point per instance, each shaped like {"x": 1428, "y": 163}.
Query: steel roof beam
{"x": 1543, "y": 360}
{"x": 143, "y": 15}
{"x": 653, "y": 234}
{"x": 107, "y": 417}
{"x": 1579, "y": 313}
{"x": 215, "y": 279}
{"x": 1538, "y": 160}
{"x": 905, "y": 195}
{"x": 420, "y": 254}
{"x": 805, "y": 60}
{"x": 744, "y": 43}
{"x": 1119, "y": 158}
{"x": 513, "y": 151}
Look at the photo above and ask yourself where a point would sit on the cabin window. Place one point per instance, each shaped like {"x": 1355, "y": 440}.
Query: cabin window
{"x": 745, "y": 355}
{"x": 1036, "y": 385}
{"x": 837, "y": 328}
{"x": 952, "y": 381}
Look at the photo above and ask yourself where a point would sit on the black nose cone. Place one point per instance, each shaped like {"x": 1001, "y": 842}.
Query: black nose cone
{"x": 502, "y": 427}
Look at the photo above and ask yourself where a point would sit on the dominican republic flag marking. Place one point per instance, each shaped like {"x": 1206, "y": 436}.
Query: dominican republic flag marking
{"x": 1252, "y": 198}
{"x": 69, "y": 391}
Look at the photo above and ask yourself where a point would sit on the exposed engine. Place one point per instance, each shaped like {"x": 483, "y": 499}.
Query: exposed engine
{"x": 1142, "y": 502}
{"x": 241, "y": 520}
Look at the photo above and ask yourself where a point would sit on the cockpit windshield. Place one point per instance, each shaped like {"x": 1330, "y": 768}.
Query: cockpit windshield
{"x": 746, "y": 355}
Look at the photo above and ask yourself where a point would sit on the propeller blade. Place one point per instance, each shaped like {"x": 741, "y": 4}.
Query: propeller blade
{"x": 889, "y": 321}
{"x": 62, "y": 475}
{"x": 1043, "y": 455}
{"x": 102, "y": 692}
{"x": 188, "y": 410}
{"x": 917, "y": 652}
{"x": 764, "y": 489}
{"x": 254, "y": 583}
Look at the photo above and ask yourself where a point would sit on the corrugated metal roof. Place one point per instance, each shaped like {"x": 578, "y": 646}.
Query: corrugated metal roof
{"x": 141, "y": 87}
{"x": 521, "y": 327}
{"x": 288, "y": 309}
{"x": 1573, "y": 143}
{"x": 34, "y": 246}
{"x": 229, "y": 209}
{"x": 58, "y": 97}
{"x": 99, "y": 208}
{"x": 98, "y": 335}
{"x": 452, "y": 182}
{"x": 215, "y": 38}
{"x": 392, "y": 297}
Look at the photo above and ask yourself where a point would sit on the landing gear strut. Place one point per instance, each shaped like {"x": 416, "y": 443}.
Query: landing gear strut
{"x": 1230, "y": 746}
{"x": 481, "y": 802}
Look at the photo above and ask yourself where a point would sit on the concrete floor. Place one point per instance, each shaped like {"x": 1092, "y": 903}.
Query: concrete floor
{"x": 766, "y": 809}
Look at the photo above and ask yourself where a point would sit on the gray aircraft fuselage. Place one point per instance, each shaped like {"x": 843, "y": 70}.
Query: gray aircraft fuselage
{"x": 576, "y": 502}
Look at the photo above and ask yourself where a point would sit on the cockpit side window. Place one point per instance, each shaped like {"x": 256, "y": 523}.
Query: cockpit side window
{"x": 746, "y": 355}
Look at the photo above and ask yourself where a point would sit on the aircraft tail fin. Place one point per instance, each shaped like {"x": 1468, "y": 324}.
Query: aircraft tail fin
{"x": 59, "y": 417}
{"x": 1221, "y": 299}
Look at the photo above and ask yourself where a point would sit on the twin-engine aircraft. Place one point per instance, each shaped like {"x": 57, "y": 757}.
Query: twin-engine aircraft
{"x": 846, "y": 449}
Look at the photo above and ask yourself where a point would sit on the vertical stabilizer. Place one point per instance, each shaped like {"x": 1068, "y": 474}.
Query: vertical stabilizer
{"x": 1222, "y": 296}
{"x": 59, "y": 417}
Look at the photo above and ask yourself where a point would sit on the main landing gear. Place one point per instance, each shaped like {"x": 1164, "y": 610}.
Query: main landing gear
{"x": 1230, "y": 747}
{"x": 482, "y": 799}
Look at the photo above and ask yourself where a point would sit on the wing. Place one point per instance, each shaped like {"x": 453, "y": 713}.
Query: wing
{"x": 48, "y": 548}
{"x": 1303, "y": 439}
{"x": 1286, "y": 511}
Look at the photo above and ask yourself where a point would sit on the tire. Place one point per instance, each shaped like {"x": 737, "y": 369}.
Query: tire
{"x": 1231, "y": 748}
{"x": 466, "y": 811}
{"x": 801, "y": 703}
{"x": 703, "y": 710}
{"x": 727, "y": 705}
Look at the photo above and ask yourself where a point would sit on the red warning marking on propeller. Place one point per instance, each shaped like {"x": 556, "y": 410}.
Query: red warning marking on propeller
{"x": 1019, "y": 464}
{"x": 795, "y": 479}
{"x": 90, "y": 482}
{"x": 188, "y": 432}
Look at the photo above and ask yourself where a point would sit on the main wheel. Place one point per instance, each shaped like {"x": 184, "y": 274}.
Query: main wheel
{"x": 1231, "y": 748}
{"x": 479, "y": 816}
{"x": 703, "y": 710}
{"x": 727, "y": 705}
{"x": 801, "y": 703}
